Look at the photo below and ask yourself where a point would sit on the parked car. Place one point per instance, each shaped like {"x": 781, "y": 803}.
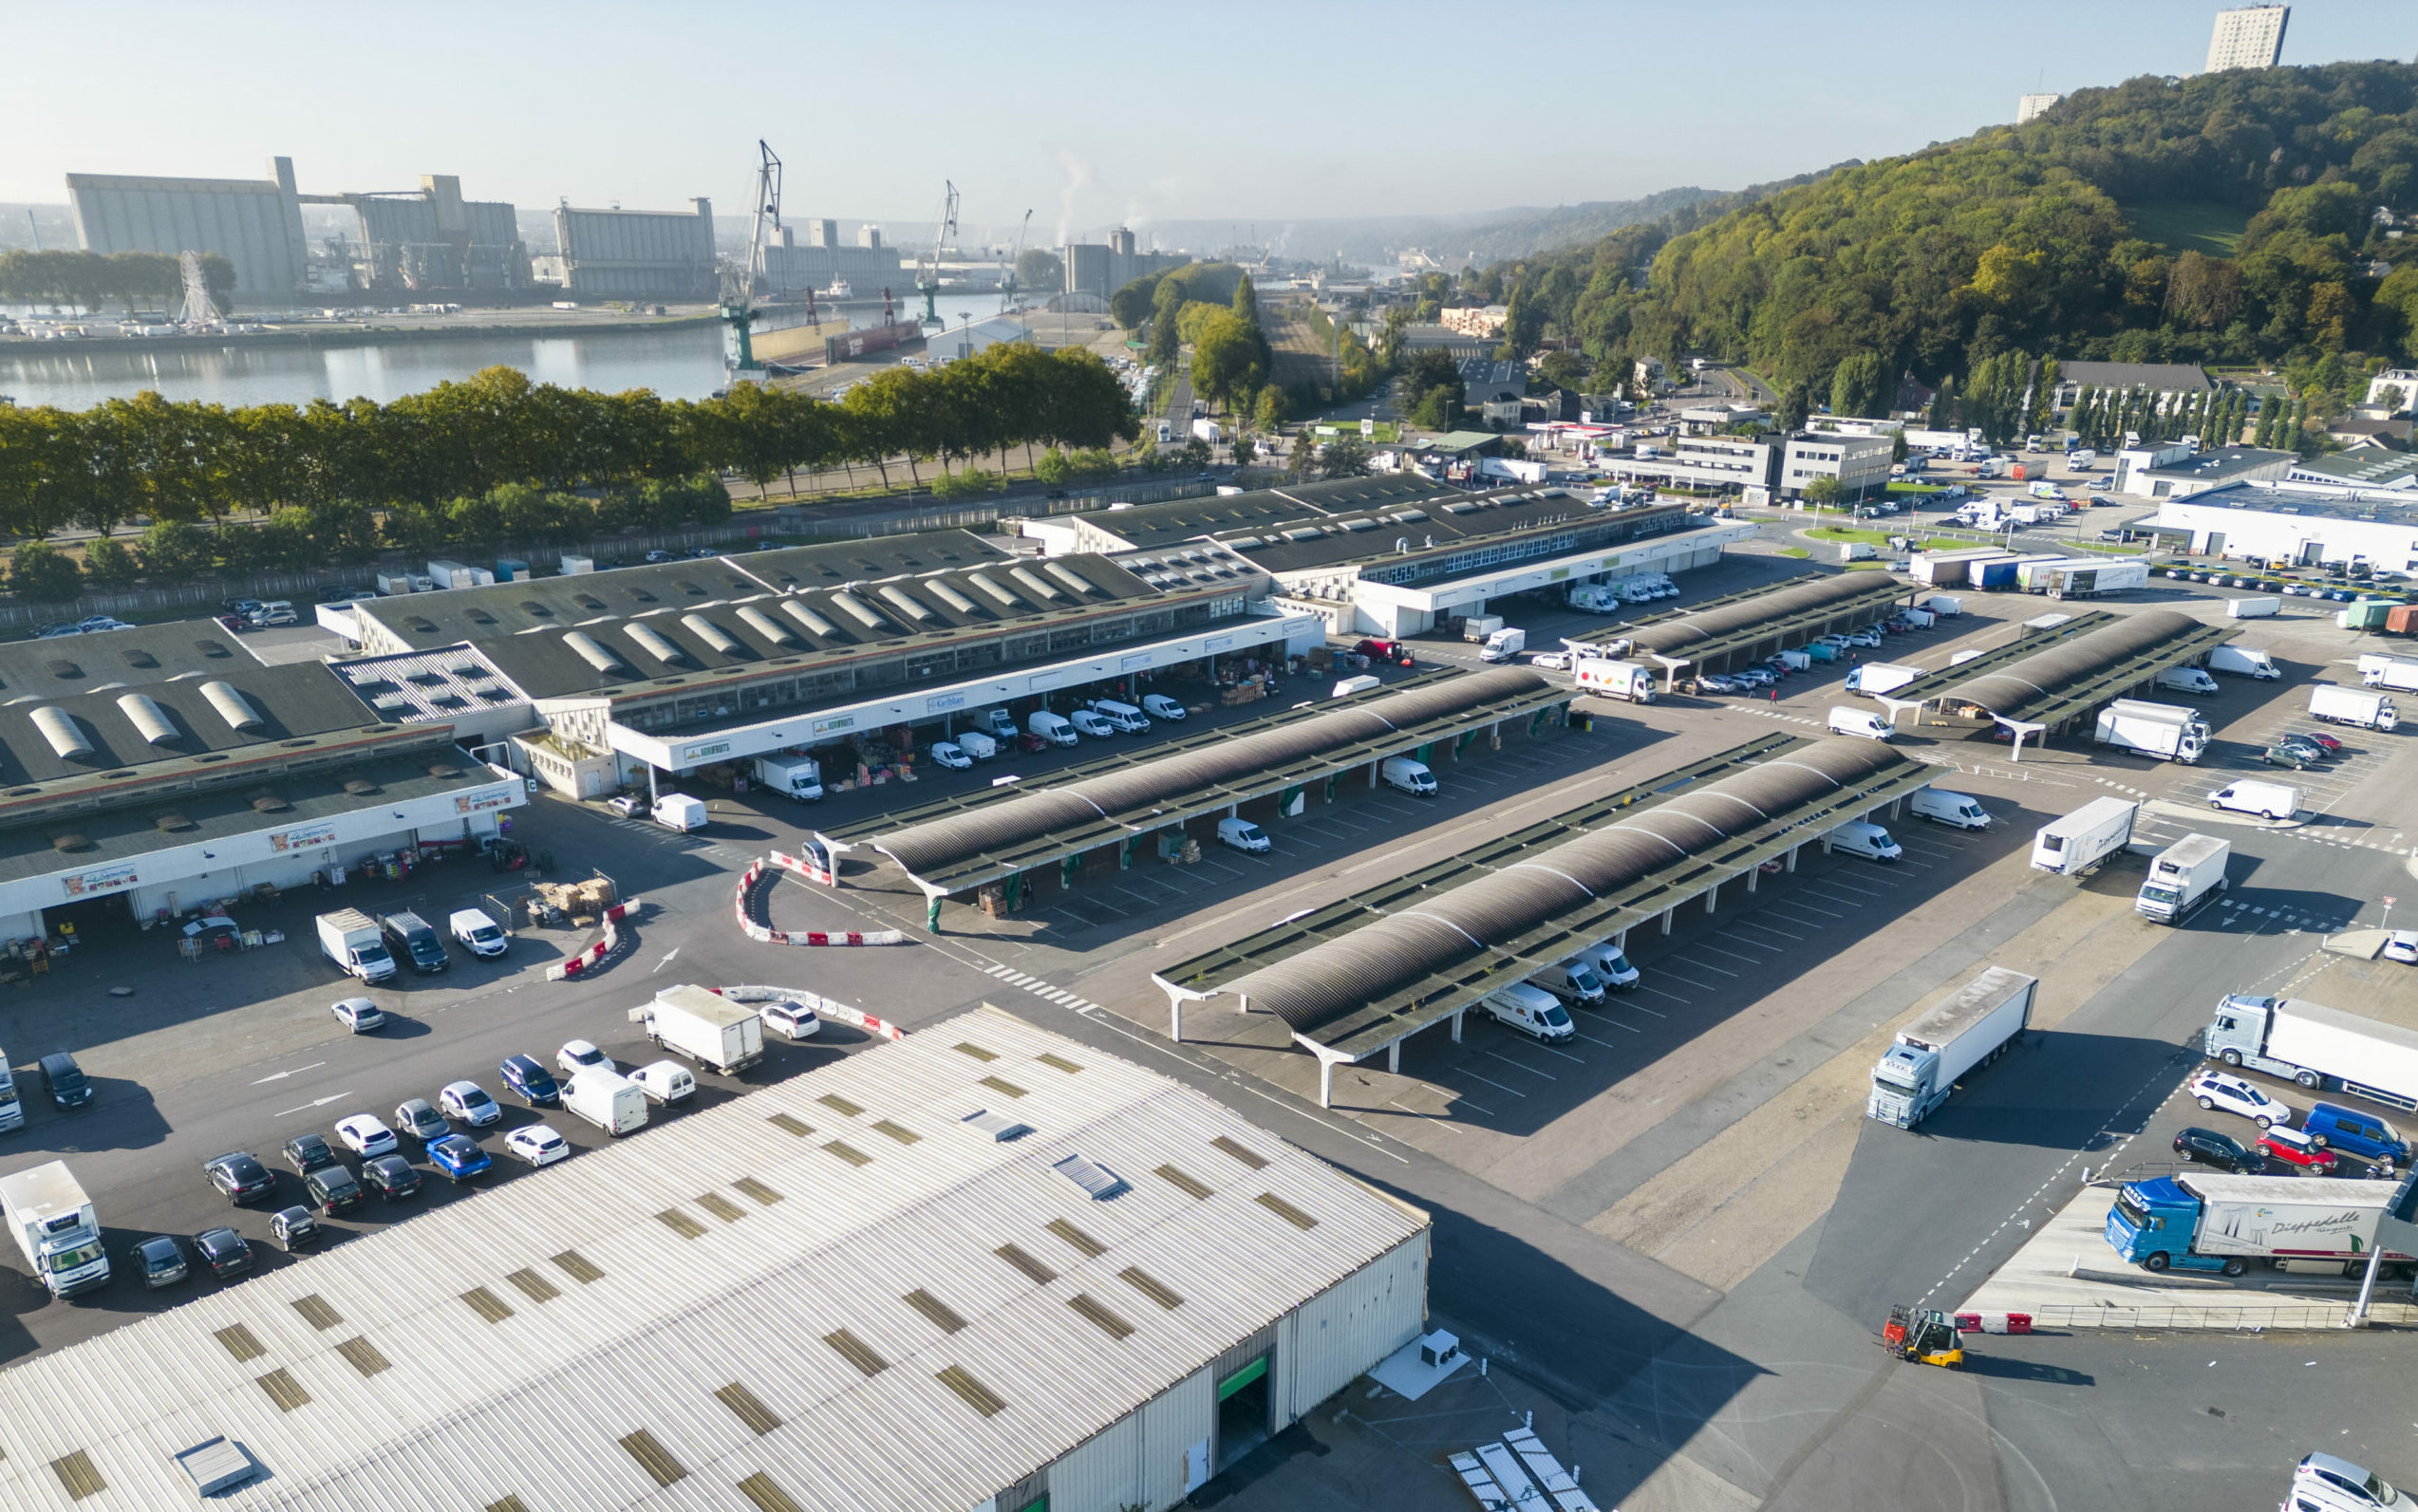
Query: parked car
{"x": 359, "y": 1014}
{"x": 628, "y": 805}
{"x": 457, "y": 1158}
{"x": 793, "y": 1021}
{"x": 467, "y": 1102}
{"x": 294, "y": 1228}
{"x": 2294, "y": 1148}
{"x": 1717, "y": 682}
{"x": 577, "y": 1055}
{"x": 223, "y": 1250}
{"x": 2217, "y": 1150}
{"x": 533, "y": 1084}
{"x": 333, "y": 1189}
{"x": 364, "y": 1135}
{"x": 1551, "y": 661}
{"x": 419, "y": 1118}
{"x": 2223, "y": 1089}
{"x": 239, "y": 1177}
{"x": 161, "y": 1261}
{"x": 2304, "y": 747}
{"x": 665, "y": 1081}
{"x": 64, "y": 1079}
{"x": 2342, "y": 1483}
{"x": 538, "y": 1144}
{"x": 2329, "y": 744}
{"x": 306, "y": 1153}
{"x": 950, "y": 755}
{"x": 391, "y": 1177}
{"x": 2401, "y": 945}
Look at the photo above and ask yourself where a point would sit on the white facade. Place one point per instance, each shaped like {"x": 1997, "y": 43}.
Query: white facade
{"x": 2284, "y": 523}
{"x": 2403, "y": 379}
{"x": 2251, "y": 37}
{"x": 2028, "y": 106}
{"x": 1701, "y": 461}
{"x": 1860, "y": 463}
{"x": 1393, "y": 610}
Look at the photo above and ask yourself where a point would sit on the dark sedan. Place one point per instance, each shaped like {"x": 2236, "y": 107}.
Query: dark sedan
{"x": 223, "y": 1250}
{"x": 306, "y": 1153}
{"x": 2219, "y": 1150}
{"x": 391, "y": 1177}
{"x": 332, "y": 1190}
{"x": 239, "y": 1177}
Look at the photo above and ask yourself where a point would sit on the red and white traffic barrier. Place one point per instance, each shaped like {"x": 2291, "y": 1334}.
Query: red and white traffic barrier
{"x": 1994, "y": 1322}
{"x": 805, "y": 866}
{"x": 827, "y": 1007}
{"x": 603, "y": 946}
{"x": 742, "y": 907}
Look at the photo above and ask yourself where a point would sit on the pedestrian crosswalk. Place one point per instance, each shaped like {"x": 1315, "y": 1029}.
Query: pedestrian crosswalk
{"x": 1047, "y": 991}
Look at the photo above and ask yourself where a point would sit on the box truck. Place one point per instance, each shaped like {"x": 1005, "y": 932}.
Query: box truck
{"x": 2080, "y": 581}
{"x": 1476, "y": 627}
{"x": 2242, "y": 661}
{"x": 2401, "y": 677}
{"x": 2073, "y": 844}
{"x": 703, "y": 1026}
{"x": 2340, "y": 705}
{"x": 2253, "y": 609}
{"x": 2159, "y": 730}
{"x": 57, "y": 1230}
{"x": 1875, "y": 677}
{"x": 2204, "y": 1221}
{"x": 1971, "y": 1029}
{"x": 2323, "y": 1049}
{"x": 792, "y": 776}
{"x": 1617, "y": 679}
{"x": 2184, "y": 876}
{"x": 607, "y": 1099}
{"x": 351, "y": 938}
{"x": 12, "y": 1112}
{"x": 1503, "y": 645}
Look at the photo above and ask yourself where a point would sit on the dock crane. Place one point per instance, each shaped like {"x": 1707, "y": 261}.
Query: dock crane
{"x": 928, "y": 266}
{"x": 1008, "y": 275}
{"x": 768, "y": 229}
{"x": 740, "y": 285}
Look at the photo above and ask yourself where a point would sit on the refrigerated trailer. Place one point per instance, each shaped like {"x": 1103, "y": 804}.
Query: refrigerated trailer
{"x": 2082, "y": 839}
{"x": 2198, "y": 1221}
{"x": 1929, "y": 1054}
{"x": 2320, "y": 1048}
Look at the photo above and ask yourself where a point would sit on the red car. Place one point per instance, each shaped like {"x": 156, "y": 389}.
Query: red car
{"x": 2325, "y": 742}
{"x": 1384, "y": 652}
{"x": 2294, "y": 1148}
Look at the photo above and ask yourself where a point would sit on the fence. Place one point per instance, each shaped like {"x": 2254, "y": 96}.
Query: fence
{"x": 980, "y": 513}
{"x": 2183, "y": 1316}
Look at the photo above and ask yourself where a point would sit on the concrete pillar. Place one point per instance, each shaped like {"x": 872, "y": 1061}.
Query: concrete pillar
{"x": 1457, "y": 1024}
{"x": 1712, "y": 895}
{"x": 1326, "y": 1082}
{"x": 1394, "y": 1056}
{"x": 1373, "y": 766}
{"x": 1666, "y": 919}
{"x": 1620, "y": 940}
{"x": 1175, "y": 1018}
{"x": 1233, "y": 810}
{"x": 1752, "y": 874}
{"x": 2015, "y": 751}
{"x": 1825, "y": 845}
{"x": 1792, "y": 859}
{"x": 1898, "y": 807}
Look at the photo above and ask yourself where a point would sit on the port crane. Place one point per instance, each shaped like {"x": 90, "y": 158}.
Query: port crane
{"x": 767, "y": 232}
{"x": 928, "y": 266}
{"x": 1008, "y": 272}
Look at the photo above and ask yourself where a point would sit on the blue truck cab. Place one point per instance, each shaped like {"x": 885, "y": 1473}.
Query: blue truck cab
{"x": 2151, "y": 1224}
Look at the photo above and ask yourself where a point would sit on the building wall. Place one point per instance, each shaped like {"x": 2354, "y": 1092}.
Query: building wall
{"x": 438, "y": 240}
{"x": 2251, "y": 37}
{"x": 1860, "y": 463}
{"x": 1141, "y": 1460}
{"x": 866, "y": 269}
{"x": 256, "y": 224}
{"x": 635, "y": 253}
{"x": 2282, "y": 538}
{"x": 1351, "y": 1325}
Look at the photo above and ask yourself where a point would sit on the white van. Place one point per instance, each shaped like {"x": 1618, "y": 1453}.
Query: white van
{"x": 1243, "y": 835}
{"x": 2270, "y": 800}
{"x": 666, "y": 1081}
{"x": 950, "y": 755}
{"x": 1573, "y": 980}
{"x": 1122, "y": 715}
{"x": 1408, "y": 777}
{"x": 1961, "y": 810}
{"x": 1358, "y": 685}
{"x": 1159, "y": 706}
{"x": 1858, "y": 838}
{"x": 1043, "y": 725}
{"x": 678, "y": 810}
{"x": 1531, "y": 1009}
{"x": 1857, "y": 723}
{"x": 1611, "y": 963}
{"x": 1091, "y": 724}
{"x": 2185, "y": 679}
{"x": 977, "y": 746}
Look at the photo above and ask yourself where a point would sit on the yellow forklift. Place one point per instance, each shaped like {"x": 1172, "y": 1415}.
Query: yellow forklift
{"x": 1931, "y": 1338}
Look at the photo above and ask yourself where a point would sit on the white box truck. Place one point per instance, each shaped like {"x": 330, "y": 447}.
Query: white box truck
{"x": 1503, "y": 645}
{"x": 2253, "y": 609}
{"x": 2401, "y": 677}
{"x": 705, "y": 1027}
{"x": 2184, "y": 876}
{"x": 351, "y": 938}
{"x": 1617, "y": 679}
{"x": 1476, "y": 627}
{"x": 2242, "y": 661}
{"x": 1596, "y": 598}
{"x": 2077, "y": 842}
{"x": 2340, "y": 705}
{"x": 57, "y": 1230}
{"x": 2165, "y": 731}
{"x": 792, "y": 776}
{"x": 607, "y": 1099}
{"x": 1971, "y": 1029}
{"x": 678, "y": 810}
{"x": 1875, "y": 677}
{"x": 2320, "y": 1048}
{"x": 12, "y": 1112}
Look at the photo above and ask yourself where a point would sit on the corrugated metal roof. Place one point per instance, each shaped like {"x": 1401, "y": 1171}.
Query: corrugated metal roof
{"x": 1843, "y": 589}
{"x": 2040, "y": 680}
{"x": 647, "y": 1333}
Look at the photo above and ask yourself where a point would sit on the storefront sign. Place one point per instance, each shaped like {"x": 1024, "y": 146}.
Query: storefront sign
{"x": 309, "y": 837}
{"x": 483, "y": 799}
{"x": 939, "y": 703}
{"x": 1218, "y": 642}
{"x": 694, "y": 754}
{"x": 1134, "y": 663}
{"x": 835, "y": 725}
{"x": 92, "y": 884}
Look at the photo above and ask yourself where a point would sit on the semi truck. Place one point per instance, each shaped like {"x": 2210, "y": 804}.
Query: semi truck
{"x": 705, "y": 1026}
{"x": 1618, "y": 680}
{"x": 2165, "y": 731}
{"x": 56, "y": 1229}
{"x": 1971, "y": 1029}
{"x": 1875, "y": 677}
{"x": 2075, "y": 844}
{"x": 351, "y": 940}
{"x": 2323, "y": 1049}
{"x": 2184, "y": 876}
{"x": 2359, "y": 706}
{"x": 2090, "y": 580}
{"x": 2242, "y": 661}
{"x": 792, "y": 776}
{"x": 2204, "y": 1221}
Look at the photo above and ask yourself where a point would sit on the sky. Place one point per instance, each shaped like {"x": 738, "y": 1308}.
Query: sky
{"x": 1089, "y": 114}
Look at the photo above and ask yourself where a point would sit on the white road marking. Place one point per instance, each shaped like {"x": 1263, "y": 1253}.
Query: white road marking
{"x": 281, "y": 1076}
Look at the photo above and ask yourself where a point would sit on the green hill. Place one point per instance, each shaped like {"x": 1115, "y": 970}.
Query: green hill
{"x": 2224, "y": 218}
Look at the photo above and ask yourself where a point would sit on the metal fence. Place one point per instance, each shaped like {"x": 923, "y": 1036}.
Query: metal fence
{"x": 978, "y": 513}
{"x": 2184, "y": 1315}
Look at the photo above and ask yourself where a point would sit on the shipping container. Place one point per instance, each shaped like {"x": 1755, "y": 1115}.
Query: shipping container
{"x": 872, "y": 339}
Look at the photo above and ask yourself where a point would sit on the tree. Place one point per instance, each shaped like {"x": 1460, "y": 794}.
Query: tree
{"x": 1795, "y": 403}
{"x": 1345, "y": 456}
{"x": 1823, "y": 491}
{"x": 42, "y": 572}
{"x": 108, "y": 563}
{"x": 1857, "y": 385}
{"x": 1039, "y": 271}
{"x": 175, "y": 552}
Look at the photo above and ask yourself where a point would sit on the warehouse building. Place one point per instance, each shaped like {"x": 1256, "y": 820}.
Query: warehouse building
{"x": 2294, "y": 524}
{"x": 147, "y": 772}
{"x": 434, "y": 241}
{"x": 1102, "y": 269}
{"x": 824, "y": 261}
{"x": 255, "y": 223}
{"x": 983, "y": 1268}
{"x": 637, "y": 253}
{"x": 2175, "y": 470}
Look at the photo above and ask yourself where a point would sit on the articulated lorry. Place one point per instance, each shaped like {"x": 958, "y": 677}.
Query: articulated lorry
{"x": 2204, "y": 1221}
{"x": 705, "y": 1026}
{"x": 2320, "y": 1048}
{"x": 2184, "y": 876}
{"x": 57, "y": 1230}
{"x": 2073, "y": 844}
{"x": 2166, "y": 731}
{"x": 1970, "y": 1029}
{"x": 352, "y": 939}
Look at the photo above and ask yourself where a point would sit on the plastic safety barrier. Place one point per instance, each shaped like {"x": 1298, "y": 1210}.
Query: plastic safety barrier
{"x": 827, "y": 1007}
{"x": 743, "y": 907}
{"x": 603, "y": 946}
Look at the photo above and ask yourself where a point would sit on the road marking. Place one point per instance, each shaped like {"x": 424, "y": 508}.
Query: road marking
{"x": 667, "y": 960}
{"x": 1522, "y": 1065}
{"x": 1706, "y": 986}
{"x": 1496, "y": 1085}
{"x": 281, "y": 1076}
{"x": 332, "y": 1097}
{"x": 1660, "y": 993}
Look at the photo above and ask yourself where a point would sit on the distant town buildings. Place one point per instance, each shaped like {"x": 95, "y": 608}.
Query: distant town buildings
{"x": 1476, "y": 320}
{"x": 2250, "y": 37}
{"x": 1102, "y": 269}
{"x": 2028, "y": 106}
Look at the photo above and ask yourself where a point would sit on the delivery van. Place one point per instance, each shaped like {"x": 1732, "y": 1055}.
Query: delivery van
{"x": 1610, "y": 962}
{"x": 1573, "y": 980}
{"x": 678, "y": 810}
{"x": 999, "y": 724}
{"x": 2271, "y": 800}
{"x": 1086, "y": 722}
{"x": 1159, "y": 706}
{"x": 2185, "y": 679}
{"x": 1042, "y": 725}
{"x": 977, "y": 746}
{"x": 1859, "y": 723}
{"x": 1408, "y": 777}
{"x": 1122, "y": 717}
{"x": 1532, "y": 1010}
{"x": 1243, "y": 835}
{"x": 1858, "y": 838}
{"x": 1960, "y": 810}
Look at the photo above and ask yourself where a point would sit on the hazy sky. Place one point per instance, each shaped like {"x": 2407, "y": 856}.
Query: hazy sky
{"x": 1087, "y": 113}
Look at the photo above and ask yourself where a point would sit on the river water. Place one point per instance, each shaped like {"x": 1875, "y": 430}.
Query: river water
{"x": 685, "y": 362}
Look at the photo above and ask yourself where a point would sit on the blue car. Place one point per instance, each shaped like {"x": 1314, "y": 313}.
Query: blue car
{"x": 457, "y": 1158}
{"x": 535, "y": 1084}
{"x": 2362, "y": 1135}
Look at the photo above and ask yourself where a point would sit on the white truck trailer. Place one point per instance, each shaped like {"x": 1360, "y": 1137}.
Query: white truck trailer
{"x": 2184, "y": 876}
{"x": 792, "y": 776}
{"x": 2077, "y": 842}
{"x": 351, "y": 938}
{"x": 2320, "y": 1048}
{"x": 705, "y": 1026}
{"x": 1873, "y": 679}
{"x": 2200, "y": 1220}
{"x": 2388, "y": 672}
{"x": 57, "y": 1230}
{"x": 1929, "y": 1054}
{"x": 1618, "y": 680}
{"x": 607, "y": 1099}
{"x": 2258, "y": 606}
{"x": 2242, "y": 661}
{"x": 2165, "y": 731}
{"x": 2360, "y": 706}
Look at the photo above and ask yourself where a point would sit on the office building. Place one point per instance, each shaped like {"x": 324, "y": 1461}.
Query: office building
{"x": 2028, "y": 106}
{"x": 1860, "y": 463}
{"x": 2248, "y": 37}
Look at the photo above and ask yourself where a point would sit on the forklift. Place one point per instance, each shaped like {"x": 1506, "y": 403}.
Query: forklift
{"x": 1927, "y": 1337}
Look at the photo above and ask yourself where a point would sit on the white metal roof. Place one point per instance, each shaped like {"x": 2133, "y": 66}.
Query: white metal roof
{"x": 734, "y": 1250}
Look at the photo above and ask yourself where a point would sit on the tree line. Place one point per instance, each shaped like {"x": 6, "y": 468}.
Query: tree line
{"x": 86, "y": 281}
